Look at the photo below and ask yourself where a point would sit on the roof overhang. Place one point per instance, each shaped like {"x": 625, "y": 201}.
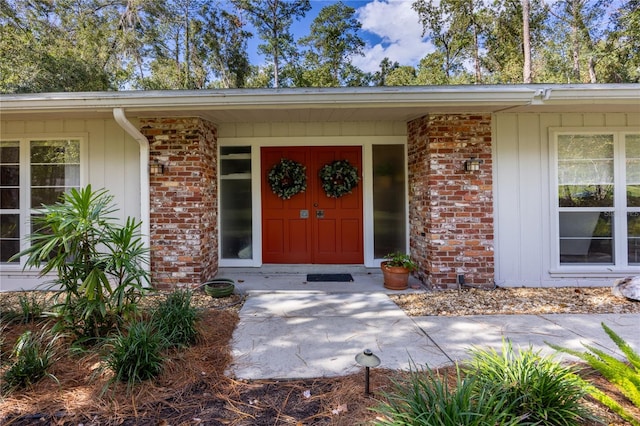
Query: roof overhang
{"x": 326, "y": 104}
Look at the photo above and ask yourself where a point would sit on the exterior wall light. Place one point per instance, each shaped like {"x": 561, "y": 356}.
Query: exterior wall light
{"x": 472, "y": 164}
{"x": 367, "y": 359}
{"x": 156, "y": 168}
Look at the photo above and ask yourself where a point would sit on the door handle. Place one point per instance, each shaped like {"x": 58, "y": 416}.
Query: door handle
{"x": 304, "y": 214}
{"x": 320, "y": 214}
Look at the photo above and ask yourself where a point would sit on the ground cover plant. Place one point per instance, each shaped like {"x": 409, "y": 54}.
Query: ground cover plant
{"x": 625, "y": 376}
{"x": 506, "y": 387}
{"x": 192, "y": 387}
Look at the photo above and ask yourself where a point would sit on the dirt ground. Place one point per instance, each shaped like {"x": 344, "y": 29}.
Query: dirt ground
{"x": 194, "y": 390}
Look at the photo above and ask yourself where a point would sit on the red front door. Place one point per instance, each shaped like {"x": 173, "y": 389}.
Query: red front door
{"x": 311, "y": 227}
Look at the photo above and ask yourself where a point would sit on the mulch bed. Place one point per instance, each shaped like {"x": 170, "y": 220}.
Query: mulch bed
{"x": 193, "y": 388}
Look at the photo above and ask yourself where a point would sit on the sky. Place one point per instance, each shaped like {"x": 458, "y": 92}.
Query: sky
{"x": 389, "y": 27}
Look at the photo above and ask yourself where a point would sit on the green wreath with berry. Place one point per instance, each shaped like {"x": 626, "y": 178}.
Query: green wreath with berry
{"x": 287, "y": 178}
{"x": 339, "y": 178}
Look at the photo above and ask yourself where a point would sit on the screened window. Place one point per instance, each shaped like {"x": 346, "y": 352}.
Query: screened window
{"x": 598, "y": 198}
{"x": 32, "y": 173}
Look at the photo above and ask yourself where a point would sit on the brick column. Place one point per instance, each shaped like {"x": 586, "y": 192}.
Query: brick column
{"x": 184, "y": 216}
{"x": 450, "y": 209}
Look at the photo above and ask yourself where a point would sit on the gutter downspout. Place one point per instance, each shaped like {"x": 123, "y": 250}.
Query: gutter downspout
{"x": 145, "y": 216}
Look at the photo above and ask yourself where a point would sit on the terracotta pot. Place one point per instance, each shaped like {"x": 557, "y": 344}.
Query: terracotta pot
{"x": 395, "y": 277}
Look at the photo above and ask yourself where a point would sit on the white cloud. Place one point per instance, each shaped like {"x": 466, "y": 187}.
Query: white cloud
{"x": 400, "y": 32}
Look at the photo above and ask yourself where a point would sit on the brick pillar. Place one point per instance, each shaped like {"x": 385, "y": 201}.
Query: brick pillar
{"x": 451, "y": 210}
{"x": 184, "y": 218}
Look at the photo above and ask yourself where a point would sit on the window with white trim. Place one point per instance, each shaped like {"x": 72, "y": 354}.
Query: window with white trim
{"x": 597, "y": 199}
{"x": 33, "y": 172}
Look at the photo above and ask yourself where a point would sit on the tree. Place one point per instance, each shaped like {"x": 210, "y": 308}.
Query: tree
{"x": 332, "y": 42}
{"x": 272, "y": 20}
{"x": 50, "y": 46}
{"x": 505, "y": 40}
{"x": 575, "y": 34}
{"x": 386, "y": 67}
{"x": 455, "y": 27}
{"x": 526, "y": 41}
{"x": 225, "y": 40}
{"x": 620, "y": 61}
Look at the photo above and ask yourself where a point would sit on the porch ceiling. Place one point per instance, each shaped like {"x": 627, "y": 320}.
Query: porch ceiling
{"x": 325, "y": 105}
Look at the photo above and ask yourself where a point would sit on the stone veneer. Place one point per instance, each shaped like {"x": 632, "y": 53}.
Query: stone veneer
{"x": 184, "y": 222}
{"x": 450, "y": 209}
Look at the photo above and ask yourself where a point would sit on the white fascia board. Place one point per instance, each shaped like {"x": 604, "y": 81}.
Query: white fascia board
{"x": 291, "y": 98}
{"x": 272, "y": 98}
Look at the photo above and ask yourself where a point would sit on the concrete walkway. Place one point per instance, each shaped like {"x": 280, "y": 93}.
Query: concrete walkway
{"x": 288, "y": 333}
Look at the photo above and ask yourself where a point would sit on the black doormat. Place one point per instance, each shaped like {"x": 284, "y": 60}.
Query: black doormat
{"x": 329, "y": 278}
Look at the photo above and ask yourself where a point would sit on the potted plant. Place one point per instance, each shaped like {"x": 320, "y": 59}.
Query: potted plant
{"x": 396, "y": 269}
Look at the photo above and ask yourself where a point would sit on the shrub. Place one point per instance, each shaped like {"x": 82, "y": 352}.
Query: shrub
{"x": 547, "y": 393}
{"x": 32, "y": 356}
{"x": 99, "y": 263}
{"x": 135, "y": 356}
{"x": 624, "y": 376}
{"x": 175, "y": 318}
{"x": 424, "y": 398}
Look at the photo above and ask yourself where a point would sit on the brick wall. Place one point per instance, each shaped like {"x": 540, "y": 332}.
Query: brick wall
{"x": 450, "y": 209}
{"x": 184, "y": 238}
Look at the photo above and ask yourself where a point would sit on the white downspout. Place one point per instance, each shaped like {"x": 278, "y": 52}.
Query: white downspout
{"x": 145, "y": 216}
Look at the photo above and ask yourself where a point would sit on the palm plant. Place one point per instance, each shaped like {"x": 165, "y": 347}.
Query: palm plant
{"x": 99, "y": 264}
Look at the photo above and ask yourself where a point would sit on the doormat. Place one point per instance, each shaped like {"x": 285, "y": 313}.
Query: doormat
{"x": 335, "y": 278}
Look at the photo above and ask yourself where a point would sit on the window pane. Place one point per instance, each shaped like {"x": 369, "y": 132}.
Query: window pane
{"x": 586, "y": 237}
{"x": 9, "y": 198}
{"x": 55, "y": 152}
{"x": 585, "y": 195}
{"x": 54, "y": 169}
{"x": 9, "y": 175}
{"x": 389, "y": 214}
{"x": 235, "y": 193}
{"x": 585, "y": 170}
{"x": 9, "y": 236}
{"x": 10, "y": 152}
{"x": 55, "y": 175}
{"x": 633, "y": 237}
{"x": 46, "y": 196}
{"x": 632, "y": 151}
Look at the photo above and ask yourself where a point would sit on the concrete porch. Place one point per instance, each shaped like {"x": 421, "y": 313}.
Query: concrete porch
{"x": 283, "y": 278}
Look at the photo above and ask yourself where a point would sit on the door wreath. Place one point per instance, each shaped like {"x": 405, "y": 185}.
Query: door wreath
{"x": 287, "y": 178}
{"x": 338, "y": 178}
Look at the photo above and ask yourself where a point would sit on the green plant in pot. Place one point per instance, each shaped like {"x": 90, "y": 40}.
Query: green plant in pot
{"x": 396, "y": 269}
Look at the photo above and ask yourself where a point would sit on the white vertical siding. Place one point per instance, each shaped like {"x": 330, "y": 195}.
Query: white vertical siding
{"x": 112, "y": 163}
{"x": 522, "y": 195}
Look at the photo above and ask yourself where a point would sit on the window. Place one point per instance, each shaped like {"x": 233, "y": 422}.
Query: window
{"x": 598, "y": 199}
{"x": 33, "y": 172}
{"x": 236, "y": 206}
{"x": 389, "y": 201}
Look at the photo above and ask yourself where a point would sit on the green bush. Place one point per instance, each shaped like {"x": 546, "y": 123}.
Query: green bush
{"x": 99, "y": 263}
{"x": 624, "y": 376}
{"x": 547, "y": 393}
{"x": 136, "y": 355}
{"x": 176, "y": 318}
{"x": 32, "y": 356}
{"x": 424, "y": 398}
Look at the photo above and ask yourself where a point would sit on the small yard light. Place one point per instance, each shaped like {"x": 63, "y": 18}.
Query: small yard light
{"x": 367, "y": 359}
{"x": 472, "y": 164}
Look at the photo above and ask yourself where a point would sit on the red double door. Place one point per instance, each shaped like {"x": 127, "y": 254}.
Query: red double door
{"x": 311, "y": 227}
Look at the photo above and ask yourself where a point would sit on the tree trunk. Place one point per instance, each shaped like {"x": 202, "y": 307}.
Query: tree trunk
{"x": 526, "y": 42}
